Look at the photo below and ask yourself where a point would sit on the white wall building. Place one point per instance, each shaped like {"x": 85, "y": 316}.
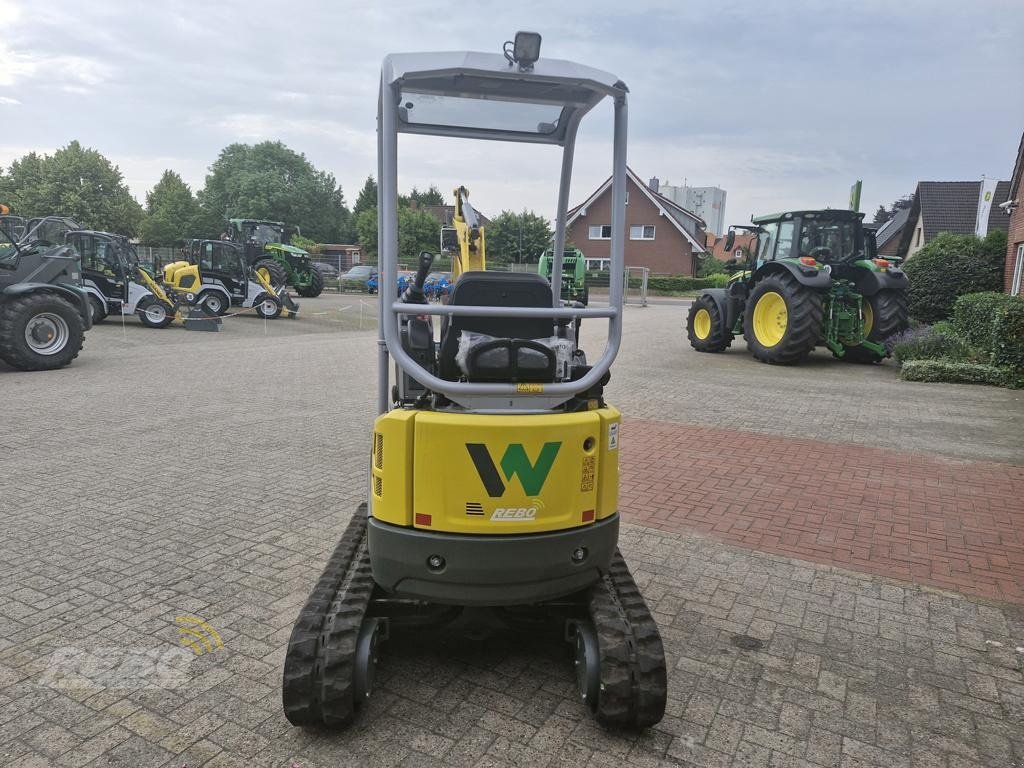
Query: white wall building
{"x": 706, "y": 202}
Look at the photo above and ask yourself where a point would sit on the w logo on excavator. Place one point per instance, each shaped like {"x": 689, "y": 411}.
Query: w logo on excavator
{"x": 514, "y": 462}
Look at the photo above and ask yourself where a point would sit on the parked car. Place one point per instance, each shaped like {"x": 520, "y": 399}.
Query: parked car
{"x": 360, "y": 276}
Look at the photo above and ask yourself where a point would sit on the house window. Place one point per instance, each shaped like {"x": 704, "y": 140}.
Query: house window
{"x": 738, "y": 253}
{"x": 601, "y": 232}
{"x": 1018, "y": 270}
{"x": 917, "y": 242}
{"x": 642, "y": 232}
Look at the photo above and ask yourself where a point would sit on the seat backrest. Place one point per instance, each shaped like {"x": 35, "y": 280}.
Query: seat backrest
{"x": 494, "y": 289}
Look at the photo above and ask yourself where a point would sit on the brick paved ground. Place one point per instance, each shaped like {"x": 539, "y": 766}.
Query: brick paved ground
{"x": 169, "y": 473}
{"x": 949, "y": 523}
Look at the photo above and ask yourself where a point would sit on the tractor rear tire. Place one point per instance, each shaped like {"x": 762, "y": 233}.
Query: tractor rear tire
{"x": 783, "y": 320}
{"x": 885, "y": 314}
{"x": 705, "y": 326}
{"x": 276, "y": 274}
{"x": 40, "y": 332}
{"x": 316, "y": 284}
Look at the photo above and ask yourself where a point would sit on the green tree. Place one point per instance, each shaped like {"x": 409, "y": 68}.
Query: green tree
{"x": 417, "y": 231}
{"x": 431, "y": 197}
{"x": 271, "y": 181}
{"x": 518, "y": 237}
{"x": 882, "y": 215}
{"x": 74, "y": 181}
{"x": 172, "y": 212}
{"x": 367, "y": 197}
{"x": 950, "y": 266}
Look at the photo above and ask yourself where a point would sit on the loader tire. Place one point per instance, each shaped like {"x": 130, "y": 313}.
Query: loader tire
{"x": 316, "y": 284}
{"x": 705, "y": 326}
{"x": 783, "y": 320}
{"x": 153, "y": 313}
{"x": 40, "y": 332}
{"x": 274, "y": 272}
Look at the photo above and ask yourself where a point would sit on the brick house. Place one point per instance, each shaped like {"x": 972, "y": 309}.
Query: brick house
{"x": 660, "y": 235}
{"x": 1014, "y": 278}
{"x": 741, "y": 247}
{"x": 948, "y": 206}
{"x": 342, "y": 255}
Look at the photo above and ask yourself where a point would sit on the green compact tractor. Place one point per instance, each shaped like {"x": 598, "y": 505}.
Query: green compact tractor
{"x": 811, "y": 278}
{"x": 574, "y": 274}
{"x": 268, "y": 249}
{"x": 44, "y": 311}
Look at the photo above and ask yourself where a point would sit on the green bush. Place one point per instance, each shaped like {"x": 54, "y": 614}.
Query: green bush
{"x": 994, "y": 323}
{"x": 956, "y": 372}
{"x": 950, "y": 266}
{"x": 708, "y": 265}
{"x": 930, "y": 343}
{"x": 1008, "y": 336}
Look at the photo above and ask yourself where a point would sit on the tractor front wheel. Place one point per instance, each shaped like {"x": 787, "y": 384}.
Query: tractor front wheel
{"x": 885, "y": 314}
{"x": 273, "y": 272}
{"x": 316, "y": 284}
{"x": 705, "y": 326}
{"x": 783, "y": 320}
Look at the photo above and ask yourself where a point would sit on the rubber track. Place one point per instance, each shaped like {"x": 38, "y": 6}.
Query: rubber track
{"x": 634, "y": 680}
{"x": 323, "y": 621}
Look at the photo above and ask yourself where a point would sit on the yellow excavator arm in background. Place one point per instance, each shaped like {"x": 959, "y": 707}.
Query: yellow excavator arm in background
{"x": 472, "y": 253}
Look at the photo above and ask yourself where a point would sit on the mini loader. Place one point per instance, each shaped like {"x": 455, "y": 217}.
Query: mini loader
{"x": 118, "y": 285}
{"x": 810, "y": 278}
{"x": 214, "y": 273}
{"x": 493, "y": 477}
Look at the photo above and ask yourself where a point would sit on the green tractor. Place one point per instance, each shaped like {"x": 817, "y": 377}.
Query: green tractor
{"x": 268, "y": 249}
{"x": 811, "y": 278}
{"x": 574, "y": 274}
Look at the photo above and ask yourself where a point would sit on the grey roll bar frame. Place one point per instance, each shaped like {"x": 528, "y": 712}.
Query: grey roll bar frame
{"x": 489, "y": 79}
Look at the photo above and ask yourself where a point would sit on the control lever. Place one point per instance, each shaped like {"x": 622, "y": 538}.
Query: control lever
{"x": 414, "y": 292}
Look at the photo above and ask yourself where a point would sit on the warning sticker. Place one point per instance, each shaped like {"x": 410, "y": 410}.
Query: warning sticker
{"x": 613, "y": 436}
{"x": 587, "y": 478}
{"x": 533, "y": 389}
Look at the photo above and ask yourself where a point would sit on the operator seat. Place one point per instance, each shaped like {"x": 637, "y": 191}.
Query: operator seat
{"x": 501, "y": 289}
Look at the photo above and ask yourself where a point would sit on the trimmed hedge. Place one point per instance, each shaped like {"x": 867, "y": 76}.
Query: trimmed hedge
{"x": 950, "y": 266}
{"x": 1008, "y": 347}
{"x": 956, "y": 373}
{"x": 994, "y": 323}
{"x": 682, "y": 283}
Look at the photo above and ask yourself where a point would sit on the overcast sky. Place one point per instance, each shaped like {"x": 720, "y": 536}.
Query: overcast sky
{"x": 783, "y": 104}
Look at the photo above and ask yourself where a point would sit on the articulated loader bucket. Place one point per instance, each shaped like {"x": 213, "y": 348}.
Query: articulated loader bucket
{"x": 291, "y": 309}
{"x": 199, "y": 318}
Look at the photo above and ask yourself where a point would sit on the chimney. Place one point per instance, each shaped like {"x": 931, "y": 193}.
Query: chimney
{"x": 654, "y": 183}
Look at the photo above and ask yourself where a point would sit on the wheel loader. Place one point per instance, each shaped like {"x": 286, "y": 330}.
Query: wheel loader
{"x": 810, "y": 278}
{"x": 214, "y": 273}
{"x": 44, "y": 312}
{"x": 493, "y": 472}
{"x": 117, "y": 284}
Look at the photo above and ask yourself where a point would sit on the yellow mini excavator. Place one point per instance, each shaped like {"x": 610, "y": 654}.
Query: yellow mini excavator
{"x": 493, "y": 475}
